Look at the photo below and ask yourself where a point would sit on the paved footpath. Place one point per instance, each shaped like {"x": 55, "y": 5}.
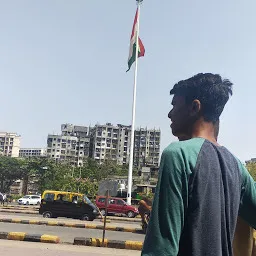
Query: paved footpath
{"x": 14, "y": 248}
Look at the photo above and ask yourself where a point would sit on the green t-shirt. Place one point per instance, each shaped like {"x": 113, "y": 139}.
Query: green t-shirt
{"x": 201, "y": 190}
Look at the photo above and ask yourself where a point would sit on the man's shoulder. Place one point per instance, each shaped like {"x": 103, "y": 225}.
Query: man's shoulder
{"x": 184, "y": 146}
{"x": 183, "y": 153}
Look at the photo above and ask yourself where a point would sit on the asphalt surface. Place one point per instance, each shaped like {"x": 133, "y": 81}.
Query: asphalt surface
{"x": 39, "y": 217}
{"x": 67, "y": 234}
{"x": 14, "y": 248}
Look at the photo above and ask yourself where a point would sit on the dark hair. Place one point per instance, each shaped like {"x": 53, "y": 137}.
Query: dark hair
{"x": 211, "y": 90}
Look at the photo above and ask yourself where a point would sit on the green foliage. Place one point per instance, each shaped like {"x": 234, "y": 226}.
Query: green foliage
{"x": 9, "y": 172}
{"x": 51, "y": 175}
{"x": 251, "y": 167}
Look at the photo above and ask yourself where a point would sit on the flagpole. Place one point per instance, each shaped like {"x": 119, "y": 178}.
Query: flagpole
{"x": 129, "y": 189}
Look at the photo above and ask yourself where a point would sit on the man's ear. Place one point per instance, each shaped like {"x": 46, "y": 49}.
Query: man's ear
{"x": 195, "y": 108}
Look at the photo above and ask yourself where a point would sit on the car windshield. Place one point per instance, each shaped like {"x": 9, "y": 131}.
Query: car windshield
{"x": 87, "y": 200}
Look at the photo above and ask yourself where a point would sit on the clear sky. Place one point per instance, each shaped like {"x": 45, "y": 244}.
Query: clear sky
{"x": 65, "y": 61}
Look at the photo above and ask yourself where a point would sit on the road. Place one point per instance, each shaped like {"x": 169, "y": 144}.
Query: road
{"x": 67, "y": 234}
{"x": 39, "y": 217}
{"x": 14, "y": 248}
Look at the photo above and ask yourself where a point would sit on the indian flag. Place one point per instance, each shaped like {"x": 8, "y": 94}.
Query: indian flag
{"x": 141, "y": 49}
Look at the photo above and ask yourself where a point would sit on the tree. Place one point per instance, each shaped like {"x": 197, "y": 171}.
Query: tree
{"x": 251, "y": 167}
{"x": 9, "y": 172}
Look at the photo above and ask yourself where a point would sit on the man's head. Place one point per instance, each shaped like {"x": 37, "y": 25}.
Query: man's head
{"x": 199, "y": 99}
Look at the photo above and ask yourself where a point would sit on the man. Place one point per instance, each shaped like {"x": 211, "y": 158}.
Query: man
{"x": 201, "y": 185}
{"x": 145, "y": 206}
{"x": 4, "y": 199}
{"x": 243, "y": 243}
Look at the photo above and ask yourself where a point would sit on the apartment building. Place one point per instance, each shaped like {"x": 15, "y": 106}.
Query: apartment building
{"x": 32, "y": 152}
{"x": 110, "y": 142}
{"x": 146, "y": 147}
{"x": 71, "y": 146}
{"x": 9, "y": 144}
{"x": 113, "y": 142}
{"x": 104, "y": 142}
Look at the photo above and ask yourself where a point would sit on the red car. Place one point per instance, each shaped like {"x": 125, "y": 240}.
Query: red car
{"x": 116, "y": 206}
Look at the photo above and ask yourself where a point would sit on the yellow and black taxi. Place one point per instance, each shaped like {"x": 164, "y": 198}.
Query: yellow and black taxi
{"x": 67, "y": 204}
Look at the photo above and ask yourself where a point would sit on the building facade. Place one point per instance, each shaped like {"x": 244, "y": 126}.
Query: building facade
{"x": 71, "y": 146}
{"x": 109, "y": 142}
{"x": 32, "y": 152}
{"x": 9, "y": 144}
{"x": 113, "y": 142}
{"x": 146, "y": 147}
{"x": 104, "y": 142}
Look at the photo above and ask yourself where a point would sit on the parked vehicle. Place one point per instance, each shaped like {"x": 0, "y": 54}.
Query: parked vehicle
{"x": 30, "y": 199}
{"x": 116, "y": 206}
{"x": 67, "y": 204}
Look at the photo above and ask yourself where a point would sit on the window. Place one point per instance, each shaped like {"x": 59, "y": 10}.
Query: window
{"x": 111, "y": 201}
{"x": 120, "y": 202}
{"x": 101, "y": 200}
{"x": 49, "y": 197}
{"x": 63, "y": 197}
{"x": 35, "y": 197}
{"x": 62, "y": 151}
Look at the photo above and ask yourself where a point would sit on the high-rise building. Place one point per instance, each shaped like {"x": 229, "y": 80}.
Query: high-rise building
{"x": 32, "y": 152}
{"x": 146, "y": 147}
{"x": 104, "y": 142}
{"x": 111, "y": 142}
{"x": 71, "y": 146}
{"x": 9, "y": 144}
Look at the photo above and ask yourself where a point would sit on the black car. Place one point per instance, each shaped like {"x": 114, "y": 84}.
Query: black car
{"x": 67, "y": 204}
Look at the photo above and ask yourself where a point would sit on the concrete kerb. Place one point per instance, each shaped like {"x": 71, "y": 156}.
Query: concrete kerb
{"x": 109, "y": 218}
{"x": 72, "y": 225}
{"x": 21, "y": 236}
{"x": 19, "y": 211}
{"x": 117, "y": 244}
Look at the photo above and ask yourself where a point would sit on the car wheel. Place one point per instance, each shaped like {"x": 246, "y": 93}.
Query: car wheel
{"x": 103, "y": 212}
{"x": 85, "y": 217}
{"x": 47, "y": 215}
{"x": 130, "y": 214}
